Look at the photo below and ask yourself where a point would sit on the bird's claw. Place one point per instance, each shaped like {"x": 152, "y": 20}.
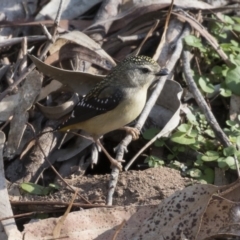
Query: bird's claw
{"x": 117, "y": 163}
{"x": 119, "y": 147}
{"x": 133, "y": 131}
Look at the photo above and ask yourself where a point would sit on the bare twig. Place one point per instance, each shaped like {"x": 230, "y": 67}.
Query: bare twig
{"x": 163, "y": 39}
{"x": 23, "y": 63}
{"x": 136, "y": 37}
{"x": 56, "y": 203}
{"x": 204, "y": 107}
{"x": 46, "y": 32}
{"x": 119, "y": 228}
{"x": 6, "y": 123}
{"x": 59, "y": 225}
{"x": 10, "y": 42}
{"x": 150, "y": 32}
{"x": 57, "y": 20}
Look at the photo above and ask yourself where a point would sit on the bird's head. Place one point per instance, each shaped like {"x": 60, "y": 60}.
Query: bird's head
{"x": 137, "y": 71}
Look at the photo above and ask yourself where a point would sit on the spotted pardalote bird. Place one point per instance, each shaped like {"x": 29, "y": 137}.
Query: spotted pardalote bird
{"x": 115, "y": 101}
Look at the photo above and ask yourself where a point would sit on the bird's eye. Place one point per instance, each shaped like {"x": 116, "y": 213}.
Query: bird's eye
{"x": 145, "y": 70}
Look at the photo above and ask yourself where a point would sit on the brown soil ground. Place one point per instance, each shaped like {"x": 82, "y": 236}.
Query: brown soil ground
{"x": 134, "y": 187}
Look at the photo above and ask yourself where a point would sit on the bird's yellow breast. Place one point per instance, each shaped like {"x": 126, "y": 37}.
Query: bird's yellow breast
{"x": 128, "y": 110}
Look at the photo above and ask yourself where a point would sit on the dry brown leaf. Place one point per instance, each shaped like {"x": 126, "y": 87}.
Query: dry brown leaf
{"x": 221, "y": 218}
{"x": 49, "y": 88}
{"x": 180, "y": 214}
{"x": 89, "y": 47}
{"x": 56, "y": 112}
{"x": 71, "y": 9}
{"x": 69, "y": 51}
{"x": 80, "y": 82}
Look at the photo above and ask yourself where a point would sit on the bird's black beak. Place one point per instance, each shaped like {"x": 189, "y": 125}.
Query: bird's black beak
{"x": 162, "y": 72}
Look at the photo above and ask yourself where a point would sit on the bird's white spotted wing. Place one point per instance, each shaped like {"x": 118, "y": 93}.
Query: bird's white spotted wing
{"x": 92, "y": 105}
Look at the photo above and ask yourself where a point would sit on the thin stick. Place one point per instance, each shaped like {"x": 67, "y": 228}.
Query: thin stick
{"x": 150, "y": 32}
{"x": 160, "y": 46}
{"x": 118, "y": 229}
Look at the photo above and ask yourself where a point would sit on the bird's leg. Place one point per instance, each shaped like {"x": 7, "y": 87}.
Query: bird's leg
{"x": 113, "y": 161}
{"x": 133, "y": 131}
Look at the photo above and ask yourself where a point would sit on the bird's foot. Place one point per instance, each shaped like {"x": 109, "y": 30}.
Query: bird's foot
{"x": 133, "y": 131}
{"x": 114, "y": 162}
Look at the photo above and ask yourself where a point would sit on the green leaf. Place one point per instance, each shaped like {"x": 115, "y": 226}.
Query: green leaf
{"x": 193, "y": 133}
{"x": 201, "y": 139}
{"x": 147, "y": 159}
{"x": 150, "y": 133}
{"x": 154, "y": 161}
{"x": 222, "y": 163}
{"x": 234, "y": 43}
{"x": 229, "y": 151}
{"x": 205, "y": 85}
{"x": 182, "y": 149}
{"x": 236, "y": 19}
{"x": 193, "y": 41}
{"x": 210, "y": 156}
{"x": 195, "y": 172}
{"x": 228, "y": 19}
{"x": 233, "y": 81}
{"x": 176, "y": 165}
{"x": 230, "y": 162}
{"x": 226, "y": 47}
{"x": 54, "y": 186}
{"x": 210, "y": 133}
{"x": 191, "y": 118}
{"x": 232, "y": 138}
{"x": 170, "y": 156}
{"x": 231, "y": 123}
{"x": 208, "y": 175}
{"x": 181, "y": 138}
{"x": 217, "y": 70}
{"x": 184, "y": 127}
{"x": 225, "y": 92}
{"x": 198, "y": 162}
{"x": 151, "y": 163}
{"x": 159, "y": 143}
{"x": 35, "y": 189}
{"x": 236, "y": 27}
{"x": 238, "y": 141}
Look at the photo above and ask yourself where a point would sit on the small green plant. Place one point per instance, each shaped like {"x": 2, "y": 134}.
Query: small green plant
{"x": 214, "y": 77}
{"x": 196, "y": 135}
{"x": 154, "y": 161}
{"x": 215, "y": 74}
{"x": 35, "y": 189}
